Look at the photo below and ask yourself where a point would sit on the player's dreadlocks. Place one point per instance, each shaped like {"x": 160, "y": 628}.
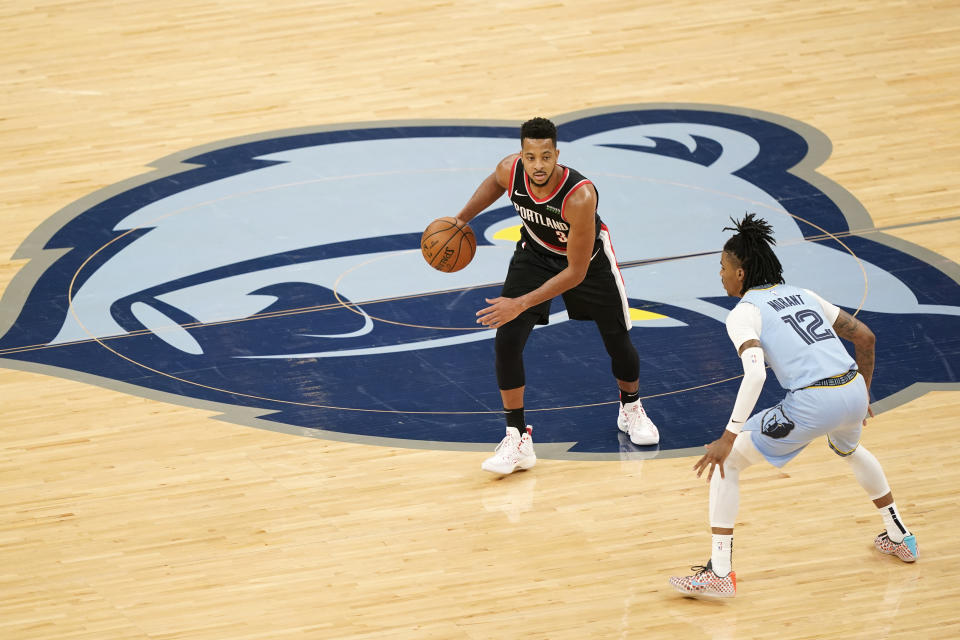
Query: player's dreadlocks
{"x": 752, "y": 247}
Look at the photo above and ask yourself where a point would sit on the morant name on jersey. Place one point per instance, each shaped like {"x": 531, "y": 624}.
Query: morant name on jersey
{"x": 779, "y": 304}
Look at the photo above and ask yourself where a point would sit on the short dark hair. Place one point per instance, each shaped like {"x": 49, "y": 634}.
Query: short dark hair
{"x": 538, "y": 129}
{"x": 752, "y": 246}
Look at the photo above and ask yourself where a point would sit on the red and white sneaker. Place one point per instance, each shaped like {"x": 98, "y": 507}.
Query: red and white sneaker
{"x": 706, "y": 584}
{"x": 635, "y": 422}
{"x": 514, "y": 452}
{"x": 908, "y": 551}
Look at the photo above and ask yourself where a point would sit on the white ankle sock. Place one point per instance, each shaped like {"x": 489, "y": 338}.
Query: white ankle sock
{"x": 896, "y": 530}
{"x": 721, "y": 558}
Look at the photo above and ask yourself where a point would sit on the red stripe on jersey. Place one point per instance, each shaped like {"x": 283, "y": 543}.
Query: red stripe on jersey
{"x": 513, "y": 173}
{"x": 563, "y": 205}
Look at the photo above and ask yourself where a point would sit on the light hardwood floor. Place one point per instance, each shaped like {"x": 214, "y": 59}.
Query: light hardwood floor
{"x": 123, "y": 517}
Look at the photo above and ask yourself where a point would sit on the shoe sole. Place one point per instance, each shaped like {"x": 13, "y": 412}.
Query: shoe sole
{"x": 706, "y": 596}
{"x": 894, "y": 554}
{"x": 639, "y": 444}
{"x": 702, "y": 595}
{"x": 626, "y": 430}
{"x": 521, "y": 465}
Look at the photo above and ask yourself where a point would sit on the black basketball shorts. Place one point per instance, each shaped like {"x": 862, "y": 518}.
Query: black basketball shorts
{"x": 601, "y": 296}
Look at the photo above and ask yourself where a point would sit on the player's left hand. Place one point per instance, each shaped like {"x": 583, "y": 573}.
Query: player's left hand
{"x": 717, "y": 452}
{"x": 500, "y": 312}
{"x": 869, "y": 415}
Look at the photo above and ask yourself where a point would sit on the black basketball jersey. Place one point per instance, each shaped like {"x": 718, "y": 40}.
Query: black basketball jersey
{"x": 544, "y": 224}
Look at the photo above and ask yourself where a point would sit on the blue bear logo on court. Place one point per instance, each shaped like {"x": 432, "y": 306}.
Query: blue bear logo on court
{"x": 278, "y": 279}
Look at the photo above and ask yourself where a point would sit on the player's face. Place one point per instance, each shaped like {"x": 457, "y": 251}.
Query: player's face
{"x": 731, "y": 274}
{"x": 539, "y": 159}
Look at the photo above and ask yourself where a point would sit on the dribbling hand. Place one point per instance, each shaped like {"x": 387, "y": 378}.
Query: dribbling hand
{"x": 500, "y": 312}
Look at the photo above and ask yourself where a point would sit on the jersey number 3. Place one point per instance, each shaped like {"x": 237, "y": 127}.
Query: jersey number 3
{"x": 807, "y": 323}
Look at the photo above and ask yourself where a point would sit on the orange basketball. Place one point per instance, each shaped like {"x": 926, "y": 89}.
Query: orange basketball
{"x": 448, "y": 244}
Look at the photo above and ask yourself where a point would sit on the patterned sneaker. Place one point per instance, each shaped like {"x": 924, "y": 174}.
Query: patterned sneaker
{"x": 514, "y": 452}
{"x": 635, "y": 422}
{"x": 908, "y": 551}
{"x": 705, "y": 583}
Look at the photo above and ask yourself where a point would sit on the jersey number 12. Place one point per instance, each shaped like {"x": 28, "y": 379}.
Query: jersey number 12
{"x": 806, "y": 323}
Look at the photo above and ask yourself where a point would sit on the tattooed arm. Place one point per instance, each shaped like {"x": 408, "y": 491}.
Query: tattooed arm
{"x": 859, "y": 334}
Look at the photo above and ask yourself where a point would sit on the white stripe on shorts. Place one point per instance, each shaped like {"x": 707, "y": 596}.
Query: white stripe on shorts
{"x": 617, "y": 276}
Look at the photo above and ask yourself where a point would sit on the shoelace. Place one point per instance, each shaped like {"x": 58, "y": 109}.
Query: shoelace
{"x": 699, "y": 570}
{"x": 638, "y": 408}
{"x": 886, "y": 537}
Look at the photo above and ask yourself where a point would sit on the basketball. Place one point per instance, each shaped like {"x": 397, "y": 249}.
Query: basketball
{"x": 448, "y": 244}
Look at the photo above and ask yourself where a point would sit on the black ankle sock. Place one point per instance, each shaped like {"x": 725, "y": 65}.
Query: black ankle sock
{"x": 626, "y": 396}
{"x": 515, "y": 419}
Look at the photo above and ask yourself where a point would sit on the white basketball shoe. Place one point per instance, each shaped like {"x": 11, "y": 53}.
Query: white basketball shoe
{"x": 514, "y": 452}
{"x": 635, "y": 422}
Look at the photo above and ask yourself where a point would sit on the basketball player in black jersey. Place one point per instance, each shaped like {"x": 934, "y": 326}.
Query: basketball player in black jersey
{"x": 564, "y": 250}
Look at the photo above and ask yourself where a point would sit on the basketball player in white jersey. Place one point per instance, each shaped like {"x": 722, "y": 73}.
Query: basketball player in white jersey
{"x": 564, "y": 250}
{"x": 797, "y": 333}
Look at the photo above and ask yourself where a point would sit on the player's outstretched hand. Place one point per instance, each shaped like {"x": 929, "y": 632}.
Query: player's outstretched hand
{"x": 717, "y": 452}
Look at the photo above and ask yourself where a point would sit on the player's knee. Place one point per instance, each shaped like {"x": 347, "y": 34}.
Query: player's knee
{"x": 511, "y": 338}
{"x": 508, "y": 346}
{"x": 845, "y": 451}
{"x": 743, "y": 454}
{"x": 624, "y": 359}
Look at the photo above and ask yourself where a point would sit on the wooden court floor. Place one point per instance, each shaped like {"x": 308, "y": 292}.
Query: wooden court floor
{"x": 123, "y": 517}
